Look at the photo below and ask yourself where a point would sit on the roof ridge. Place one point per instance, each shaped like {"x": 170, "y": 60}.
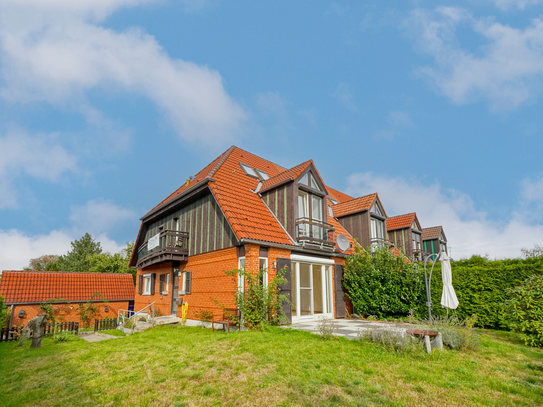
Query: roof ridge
{"x": 262, "y": 158}
{"x": 354, "y": 199}
{"x": 405, "y": 214}
{"x": 224, "y": 157}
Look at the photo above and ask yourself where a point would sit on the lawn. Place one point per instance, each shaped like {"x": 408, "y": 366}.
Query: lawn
{"x": 182, "y": 366}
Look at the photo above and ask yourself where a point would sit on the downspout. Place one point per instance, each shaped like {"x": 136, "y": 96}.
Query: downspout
{"x": 10, "y": 316}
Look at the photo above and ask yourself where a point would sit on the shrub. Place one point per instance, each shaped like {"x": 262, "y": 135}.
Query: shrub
{"x": 392, "y": 340}
{"x": 3, "y": 313}
{"x": 65, "y": 337}
{"x": 326, "y": 328}
{"x": 524, "y": 310}
{"x": 204, "y": 315}
{"x": 88, "y": 310}
{"x": 455, "y": 333}
{"x": 259, "y": 304}
{"x": 382, "y": 283}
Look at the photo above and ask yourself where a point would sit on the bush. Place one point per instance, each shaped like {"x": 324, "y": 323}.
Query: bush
{"x": 204, "y": 315}
{"x": 524, "y": 310}
{"x": 455, "y": 333}
{"x": 392, "y": 340}
{"x": 383, "y": 284}
{"x": 326, "y": 328}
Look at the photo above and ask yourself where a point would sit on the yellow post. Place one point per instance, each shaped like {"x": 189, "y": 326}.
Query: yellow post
{"x": 184, "y": 309}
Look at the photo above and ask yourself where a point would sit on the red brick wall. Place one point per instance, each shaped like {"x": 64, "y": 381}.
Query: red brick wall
{"x": 163, "y": 301}
{"x": 66, "y": 312}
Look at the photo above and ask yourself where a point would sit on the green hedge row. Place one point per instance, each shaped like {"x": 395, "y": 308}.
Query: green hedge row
{"x": 480, "y": 286}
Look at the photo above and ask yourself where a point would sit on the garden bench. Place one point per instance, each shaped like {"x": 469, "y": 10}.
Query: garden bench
{"x": 230, "y": 316}
{"x": 432, "y": 339}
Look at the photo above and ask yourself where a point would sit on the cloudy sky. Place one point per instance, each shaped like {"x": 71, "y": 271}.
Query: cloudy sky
{"x": 107, "y": 106}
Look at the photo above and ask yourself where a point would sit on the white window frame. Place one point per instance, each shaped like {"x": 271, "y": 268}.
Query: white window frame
{"x": 147, "y": 281}
{"x": 248, "y": 170}
{"x": 166, "y": 284}
{"x": 241, "y": 279}
{"x": 263, "y": 175}
{"x": 265, "y": 268}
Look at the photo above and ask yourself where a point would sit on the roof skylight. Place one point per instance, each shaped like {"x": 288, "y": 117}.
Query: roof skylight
{"x": 262, "y": 174}
{"x": 248, "y": 170}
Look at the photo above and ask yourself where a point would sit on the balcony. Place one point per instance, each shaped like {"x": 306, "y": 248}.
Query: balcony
{"x": 315, "y": 232}
{"x": 380, "y": 243}
{"x": 172, "y": 245}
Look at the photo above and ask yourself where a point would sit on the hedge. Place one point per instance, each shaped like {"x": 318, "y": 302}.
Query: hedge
{"x": 481, "y": 287}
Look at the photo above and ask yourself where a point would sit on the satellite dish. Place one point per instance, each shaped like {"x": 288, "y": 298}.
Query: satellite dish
{"x": 342, "y": 242}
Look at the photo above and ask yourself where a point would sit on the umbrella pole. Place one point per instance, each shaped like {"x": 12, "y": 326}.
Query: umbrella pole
{"x": 427, "y": 281}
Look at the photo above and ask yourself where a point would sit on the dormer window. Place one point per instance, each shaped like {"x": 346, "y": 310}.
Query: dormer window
{"x": 248, "y": 170}
{"x": 263, "y": 176}
{"x": 376, "y": 209}
{"x": 310, "y": 181}
{"x": 334, "y": 202}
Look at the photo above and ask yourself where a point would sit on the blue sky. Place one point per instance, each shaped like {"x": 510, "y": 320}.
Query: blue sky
{"x": 107, "y": 106}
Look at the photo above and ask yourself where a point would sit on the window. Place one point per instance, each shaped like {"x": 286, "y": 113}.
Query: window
{"x": 186, "y": 282}
{"x": 263, "y": 266}
{"x": 263, "y": 176}
{"x": 164, "y": 283}
{"x": 318, "y": 231}
{"x": 310, "y": 181}
{"x": 377, "y": 233}
{"x": 334, "y": 202}
{"x": 377, "y": 209}
{"x": 248, "y": 170}
{"x": 147, "y": 282}
{"x": 241, "y": 279}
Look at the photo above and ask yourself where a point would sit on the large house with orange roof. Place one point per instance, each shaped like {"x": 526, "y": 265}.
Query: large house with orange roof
{"x": 404, "y": 231}
{"x": 242, "y": 211}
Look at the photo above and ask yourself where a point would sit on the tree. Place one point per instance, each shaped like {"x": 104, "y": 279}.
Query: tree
{"x": 537, "y": 251}
{"x": 77, "y": 260}
{"x": 41, "y": 263}
{"x": 3, "y": 313}
{"x": 116, "y": 263}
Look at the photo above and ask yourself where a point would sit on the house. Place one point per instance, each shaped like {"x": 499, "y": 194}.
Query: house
{"x": 25, "y": 291}
{"x": 364, "y": 218}
{"x": 404, "y": 232}
{"x": 433, "y": 239}
{"x": 242, "y": 211}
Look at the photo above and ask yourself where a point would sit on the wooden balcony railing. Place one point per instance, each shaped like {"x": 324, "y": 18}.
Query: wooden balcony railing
{"x": 315, "y": 232}
{"x": 379, "y": 243}
{"x": 172, "y": 246}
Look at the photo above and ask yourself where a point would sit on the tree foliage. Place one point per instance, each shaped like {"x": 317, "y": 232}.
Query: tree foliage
{"x": 524, "y": 310}
{"x": 112, "y": 263}
{"x": 77, "y": 260}
{"x": 382, "y": 283}
{"x": 536, "y": 251}
{"x": 3, "y": 313}
{"x": 44, "y": 262}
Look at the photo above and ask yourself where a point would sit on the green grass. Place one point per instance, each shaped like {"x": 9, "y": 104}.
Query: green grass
{"x": 114, "y": 332}
{"x": 183, "y": 366}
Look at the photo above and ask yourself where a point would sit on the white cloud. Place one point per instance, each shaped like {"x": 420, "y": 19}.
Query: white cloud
{"x": 532, "y": 190}
{"x": 99, "y": 216}
{"x": 507, "y": 70}
{"x": 55, "y": 51}
{"x": 38, "y": 156}
{"x": 468, "y": 229}
{"x": 520, "y": 4}
{"x": 344, "y": 95}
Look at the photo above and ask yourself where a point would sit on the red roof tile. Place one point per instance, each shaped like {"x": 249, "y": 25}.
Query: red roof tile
{"x": 338, "y": 196}
{"x": 292, "y": 173}
{"x": 431, "y": 233}
{"x": 354, "y": 205}
{"x": 401, "y": 221}
{"x": 40, "y": 286}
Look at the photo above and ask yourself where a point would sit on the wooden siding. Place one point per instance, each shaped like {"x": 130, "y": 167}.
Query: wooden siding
{"x": 202, "y": 218}
{"x": 281, "y": 202}
{"x": 358, "y": 225}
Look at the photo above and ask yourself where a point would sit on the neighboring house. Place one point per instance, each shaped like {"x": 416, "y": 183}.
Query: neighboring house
{"x": 404, "y": 232}
{"x": 25, "y": 291}
{"x": 433, "y": 238}
{"x": 242, "y": 211}
{"x": 364, "y": 218}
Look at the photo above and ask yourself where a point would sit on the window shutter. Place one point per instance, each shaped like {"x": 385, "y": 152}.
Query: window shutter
{"x": 153, "y": 278}
{"x": 140, "y": 290}
{"x": 161, "y": 285}
{"x": 188, "y": 281}
{"x": 341, "y": 311}
{"x": 285, "y": 289}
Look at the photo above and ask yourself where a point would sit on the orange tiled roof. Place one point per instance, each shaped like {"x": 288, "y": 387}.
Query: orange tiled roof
{"x": 338, "y": 196}
{"x": 431, "y": 233}
{"x": 401, "y": 221}
{"x": 248, "y": 215}
{"x": 354, "y": 205}
{"x": 40, "y": 286}
{"x": 293, "y": 173}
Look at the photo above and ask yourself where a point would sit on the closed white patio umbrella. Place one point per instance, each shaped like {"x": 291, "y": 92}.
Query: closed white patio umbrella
{"x": 448, "y": 297}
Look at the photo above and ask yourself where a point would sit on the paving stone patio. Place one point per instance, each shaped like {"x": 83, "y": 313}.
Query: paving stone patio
{"x": 96, "y": 336}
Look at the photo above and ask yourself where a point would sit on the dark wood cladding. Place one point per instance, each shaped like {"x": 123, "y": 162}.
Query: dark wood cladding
{"x": 403, "y": 240}
{"x": 281, "y": 202}
{"x": 358, "y": 225}
{"x": 204, "y": 221}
